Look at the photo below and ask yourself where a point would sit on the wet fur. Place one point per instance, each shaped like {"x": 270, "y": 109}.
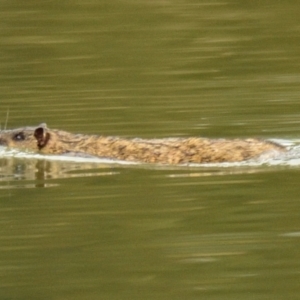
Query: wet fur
{"x": 165, "y": 151}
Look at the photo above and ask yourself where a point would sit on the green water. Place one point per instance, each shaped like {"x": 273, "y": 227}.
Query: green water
{"x": 150, "y": 69}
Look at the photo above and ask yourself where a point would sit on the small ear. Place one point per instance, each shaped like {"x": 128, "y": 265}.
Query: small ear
{"x": 43, "y": 125}
{"x": 41, "y": 136}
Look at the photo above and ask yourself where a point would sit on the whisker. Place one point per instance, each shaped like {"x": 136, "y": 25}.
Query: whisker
{"x": 6, "y": 121}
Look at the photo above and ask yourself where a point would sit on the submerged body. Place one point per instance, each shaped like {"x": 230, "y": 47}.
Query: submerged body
{"x": 164, "y": 151}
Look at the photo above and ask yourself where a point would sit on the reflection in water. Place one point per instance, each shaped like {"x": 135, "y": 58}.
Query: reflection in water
{"x": 16, "y": 172}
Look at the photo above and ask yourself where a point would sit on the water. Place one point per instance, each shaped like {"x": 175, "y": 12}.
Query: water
{"x": 77, "y": 228}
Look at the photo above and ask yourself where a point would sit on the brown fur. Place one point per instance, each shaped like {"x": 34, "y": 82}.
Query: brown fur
{"x": 165, "y": 151}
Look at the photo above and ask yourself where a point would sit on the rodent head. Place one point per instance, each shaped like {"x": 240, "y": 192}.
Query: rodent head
{"x": 27, "y": 138}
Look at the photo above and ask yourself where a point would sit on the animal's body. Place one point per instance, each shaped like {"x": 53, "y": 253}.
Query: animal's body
{"x": 164, "y": 151}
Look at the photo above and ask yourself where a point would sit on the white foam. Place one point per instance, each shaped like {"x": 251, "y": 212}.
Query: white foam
{"x": 72, "y": 157}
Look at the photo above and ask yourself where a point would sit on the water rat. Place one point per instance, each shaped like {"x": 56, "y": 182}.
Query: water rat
{"x": 165, "y": 151}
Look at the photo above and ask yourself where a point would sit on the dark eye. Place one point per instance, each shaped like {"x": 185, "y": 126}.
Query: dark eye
{"x": 19, "y": 137}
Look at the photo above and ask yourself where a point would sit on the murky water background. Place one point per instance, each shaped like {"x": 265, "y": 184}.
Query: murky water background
{"x": 97, "y": 230}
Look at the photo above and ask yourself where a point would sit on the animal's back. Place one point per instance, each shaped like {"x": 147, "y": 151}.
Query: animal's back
{"x": 186, "y": 150}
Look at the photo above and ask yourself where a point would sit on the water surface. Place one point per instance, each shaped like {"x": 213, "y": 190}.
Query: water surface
{"x": 101, "y": 230}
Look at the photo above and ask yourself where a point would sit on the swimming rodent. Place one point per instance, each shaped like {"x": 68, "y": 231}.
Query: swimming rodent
{"x": 164, "y": 151}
